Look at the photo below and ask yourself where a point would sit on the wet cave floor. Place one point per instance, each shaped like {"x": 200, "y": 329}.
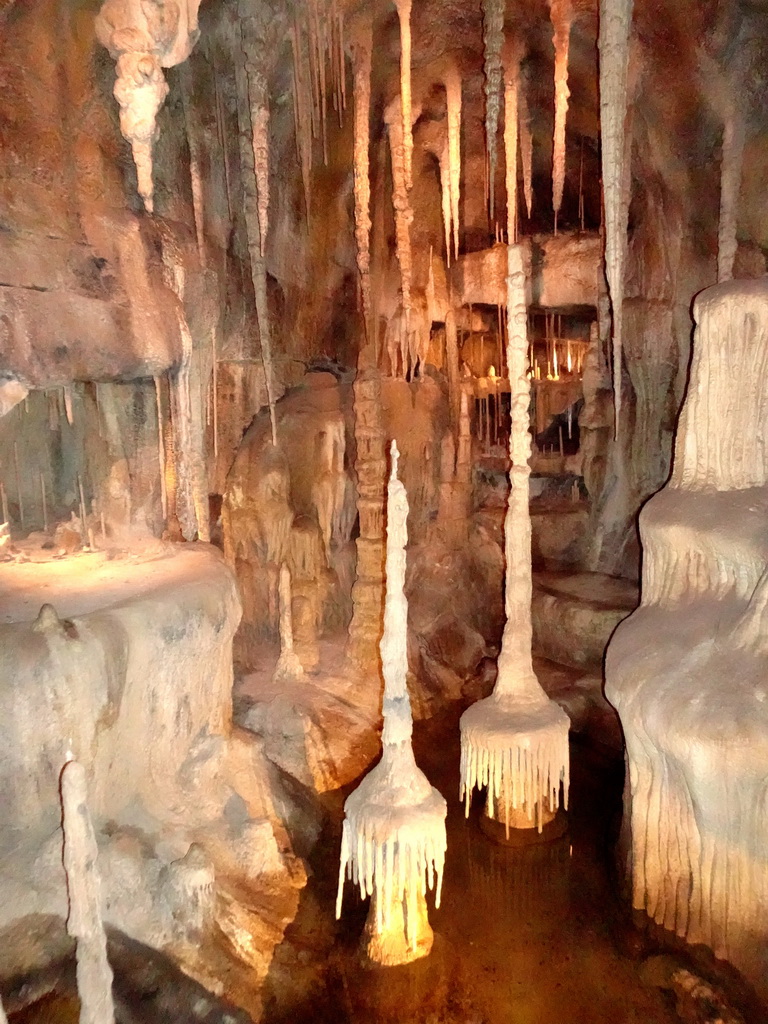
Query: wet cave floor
{"x": 527, "y": 935}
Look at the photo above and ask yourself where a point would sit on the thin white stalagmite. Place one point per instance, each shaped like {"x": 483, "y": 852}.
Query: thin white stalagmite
{"x": 515, "y": 742}
{"x": 401, "y": 203}
{"x": 511, "y": 58}
{"x": 404, "y": 15}
{"x": 526, "y": 141}
{"x": 288, "y": 664}
{"x": 453, "y": 102}
{"x": 362, "y": 46}
{"x": 84, "y": 923}
{"x": 493, "y": 37}
{"x": 615, "y": 24}
{"x": 161, "y": 450}
{"x": 730, "y": 186}
{"x": 561, "y": 14}
{"x": 393, "y": 837}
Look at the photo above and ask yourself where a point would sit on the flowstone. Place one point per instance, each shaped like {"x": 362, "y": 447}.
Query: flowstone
{"x": 687, "y": 670}
{"x": 393, "y": 839}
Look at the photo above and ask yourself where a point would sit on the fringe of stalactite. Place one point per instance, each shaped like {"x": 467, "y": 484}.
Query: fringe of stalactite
{"x": 511, "y": 57}
{"x": 401, "y": 203}
{"x": 361, "y": 62}
{"x": 493, "y": 38}
{"x": 444, "y": 162}
{"x": 195, "y": 152}
{"x": 453, "y": 103}
{"x": 561, "y": 14}
{"x": 302, "y": 110}
{"x": 404, "y": 15}
{"x": 526, "y": 141}
{"x": 405, "y": 861}
{"x": 84, "y": 923}
{"x": 249, "y": 96}
{"x": 730, "y": 186}
{"x": 615, "y": 25}
{"x": 525, "y": 771}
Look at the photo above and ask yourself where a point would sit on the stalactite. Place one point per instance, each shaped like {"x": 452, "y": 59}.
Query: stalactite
{"x": 195, "y": 154}
{"x": 144, "y": 40}
{"x": 444, "y": 161}
{"x": 453, "y": 100}
{"x": 302, "y": 105}
{"x": 393, "y": 838}
{"x": 526, "y": 141}
{"x": 511, "y": 58}
{"x": 404, "y": 14}
{"x": 516, "y": 741}
{"x": 615, "y": 24}
{"x": 401, "y": 203}
{"x": 84, "y": 923}
{"x": 493, "y": 37}
{"x": 362, "y": 46}
{"x": 730, "y": 186}
{"x": 251, "y": 94}
{"x": 561, "y": 14}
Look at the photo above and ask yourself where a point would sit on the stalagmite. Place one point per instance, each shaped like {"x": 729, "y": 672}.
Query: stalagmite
{"x": 361, "y": 68}
{"x": 511, "y": 59}
{"x": 252, "y": 102}
{"x": 515, "y": 742}
{"x": 526, "y": 142}
{"x": 730, "y": 186}
{"x": 393, "y": 838}
{"x": 94, "y": 975}
{"x": 401, "y": 203}
{"x": 452, "y": 83}
{"x": 144, "y": 39}
{"x": 404, "y": 14}
{"x": 288, "y": 664}
{"x": 615, "y": 24}
{"x": 561, "y": 14}
{"x": 493, "y": 37}
{"x": 3, "y": 1018}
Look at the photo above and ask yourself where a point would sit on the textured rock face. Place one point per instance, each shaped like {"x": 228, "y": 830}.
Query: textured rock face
{"x": 686, "y": 671}
{"x": 137, "y": 682}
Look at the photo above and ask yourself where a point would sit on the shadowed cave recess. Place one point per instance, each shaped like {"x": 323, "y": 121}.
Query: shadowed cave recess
{"x": 384, "y": 492}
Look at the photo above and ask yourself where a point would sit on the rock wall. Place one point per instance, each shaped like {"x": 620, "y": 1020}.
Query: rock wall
{"x": 686, "y": 671}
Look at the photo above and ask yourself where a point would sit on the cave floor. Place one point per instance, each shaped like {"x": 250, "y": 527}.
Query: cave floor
{"x": 530, "y": 935}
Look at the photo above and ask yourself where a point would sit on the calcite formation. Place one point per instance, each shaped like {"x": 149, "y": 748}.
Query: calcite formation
{"x": 401, "y": 202}
{"x": 687, "y": 670}
{"x": 143, "y": 39}
{"x": 493, "y": 38}
{"x": 84, "y": 923}
{"x": 561, "y": 15}
{"x": 511, "y": 59}
{"x": 515, "y": 742}
{"x": 362, "y": 45}
{"x": 288, "y": 664}
{"x": 393, "y": 839}
{"x": 452, "y": 81}
{"x": 615, "y": 26}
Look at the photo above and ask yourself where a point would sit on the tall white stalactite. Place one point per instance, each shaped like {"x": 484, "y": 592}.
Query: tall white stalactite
{"x": 615, "y": 25}
{"x": 404, "y": 14}
{"x": 511, "y": 59}
{"x": 730, "y": 186}
{"x": 362, "y": 45}
{"x": 526, "y": 141}
{"x": 393, "y": 838}
{"x": 452, "y": 83}
{"x": 493, "y": 37}
{"x": 515, "y": 742}
{"x": 561, "y": 14}
{"x": 94, "y": 975}
{"x": 401, "y": 203}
